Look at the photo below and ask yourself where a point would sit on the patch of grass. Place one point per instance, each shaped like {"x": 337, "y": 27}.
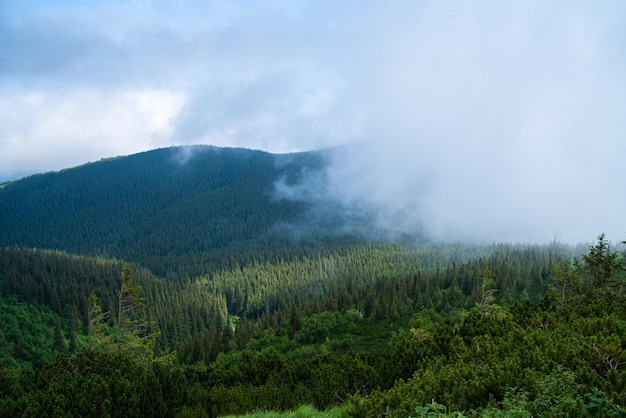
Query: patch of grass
{"x": 305, "y": 411}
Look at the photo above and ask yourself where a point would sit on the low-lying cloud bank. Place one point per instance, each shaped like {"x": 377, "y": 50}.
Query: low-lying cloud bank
{"x": 490, "y": 123}
{"x": 379, "y": 192}
{"x": 486, "y": 121}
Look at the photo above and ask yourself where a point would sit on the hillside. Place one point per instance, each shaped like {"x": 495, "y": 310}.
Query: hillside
{"x": 501, "y": 330}
{"x": 174, "y": 208}
{"x": 177, "y": 283}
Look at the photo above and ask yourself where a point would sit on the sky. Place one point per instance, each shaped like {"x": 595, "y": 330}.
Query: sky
{"x": 486, "y": 120}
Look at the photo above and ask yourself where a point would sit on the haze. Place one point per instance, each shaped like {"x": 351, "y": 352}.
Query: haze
{"x": 483, "y": 121}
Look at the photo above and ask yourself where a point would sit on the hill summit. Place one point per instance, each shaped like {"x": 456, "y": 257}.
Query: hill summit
{"x": 163, "y": 208}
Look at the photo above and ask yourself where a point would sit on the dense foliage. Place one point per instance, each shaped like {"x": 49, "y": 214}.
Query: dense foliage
{"x": 169, "y": 209}
{"x": 65, "y": 282}
{"x": 217, "y": 310}
{"x": 31, "y": 334}
{"x": 398, "y": 330}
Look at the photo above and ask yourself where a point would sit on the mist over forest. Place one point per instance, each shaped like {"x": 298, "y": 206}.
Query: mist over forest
{"x": 208, "y": 281}
{"x": 483, "y": 123}
{"x": 269, "y": 209}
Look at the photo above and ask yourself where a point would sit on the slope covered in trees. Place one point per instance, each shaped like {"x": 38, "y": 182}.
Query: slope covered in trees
{"x": 309, "y": 280}
{"x": 463, "y": 347}
{"x": 31, "y": 334}
{"x": 169, "y": 209}
{"x": 392, "y": 329}
{"x": 64, "y": 283}
{"x": 168, "y": 284}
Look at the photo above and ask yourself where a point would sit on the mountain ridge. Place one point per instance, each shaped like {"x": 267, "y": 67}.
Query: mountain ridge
{"x": 157, "y": 207}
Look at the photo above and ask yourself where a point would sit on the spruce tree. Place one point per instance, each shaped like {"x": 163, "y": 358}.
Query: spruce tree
{"x": 59, "y": 340}
{"x": 95, "y": 324}
{"x": 132, "y": 328}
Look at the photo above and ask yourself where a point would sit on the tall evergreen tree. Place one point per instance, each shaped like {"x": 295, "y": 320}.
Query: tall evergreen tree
{"x": 95, "y": 324}
{"x": 132, "y": 327}
{"x": 59, "y": 340}
{"x": 72, "y": 329}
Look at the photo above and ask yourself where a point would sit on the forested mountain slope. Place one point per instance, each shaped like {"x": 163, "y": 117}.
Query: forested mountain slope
{"x": 63, "y": 284}
{"x": 397, "y": 330}
{"x": 167, "y": 209}
{"x": 171, "y": 283}
{"x": 382, "y": 280}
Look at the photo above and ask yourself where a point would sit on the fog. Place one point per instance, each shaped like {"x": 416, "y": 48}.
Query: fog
{"x": 505, "y": 129}
{"x": 484, "y": 121}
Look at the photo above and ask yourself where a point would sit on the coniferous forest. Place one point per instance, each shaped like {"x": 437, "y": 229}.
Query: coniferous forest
{"x": 157, "y": 285}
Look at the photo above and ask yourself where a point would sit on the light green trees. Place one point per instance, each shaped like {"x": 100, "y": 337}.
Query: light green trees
{"x": 131, "y": 332}
{"x": 97, "y": 338}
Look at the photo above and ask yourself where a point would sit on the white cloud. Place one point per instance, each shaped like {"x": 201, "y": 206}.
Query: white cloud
{"x": 493, "y": 123}
{"x": 490, "y": 120}
{"x": 50, "y": 131}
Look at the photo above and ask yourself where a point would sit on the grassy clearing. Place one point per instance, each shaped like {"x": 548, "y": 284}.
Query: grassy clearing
{"x": 305, "y": 411}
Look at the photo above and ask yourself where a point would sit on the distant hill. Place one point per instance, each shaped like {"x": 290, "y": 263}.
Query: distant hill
{"x": 169, "y": 209}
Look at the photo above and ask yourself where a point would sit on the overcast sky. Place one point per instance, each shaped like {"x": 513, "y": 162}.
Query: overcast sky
{"x": 488, "y": 119}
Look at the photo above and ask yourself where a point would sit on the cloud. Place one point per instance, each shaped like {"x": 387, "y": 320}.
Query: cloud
{"x": 276, "y": 110}
{"x": 492, "y": 123}
{"x": 485, "y": 121}
{"x": 251, "y": 76}
{"x": 43, "y": 131}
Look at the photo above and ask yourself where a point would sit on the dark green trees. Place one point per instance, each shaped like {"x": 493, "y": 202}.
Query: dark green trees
{"x": 598, "y": 274}
{"x": 131, "y": 332}
{"x": 132, "y": 328}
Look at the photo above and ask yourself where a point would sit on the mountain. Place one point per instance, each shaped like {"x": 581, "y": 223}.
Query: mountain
{"x": 169, "y": 209}
{"x": 276, "y": 305}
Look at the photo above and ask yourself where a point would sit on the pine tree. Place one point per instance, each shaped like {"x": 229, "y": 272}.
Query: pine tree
{"x": 566, "y": 284}
{"x": 132, "y": 328}
{"x": 59, "y": 340}
{"x": 590, "y": 278}
{"x": 96, "y": 322}
{"x": 600, "y": 266}
{"x": 73, "y": 345}
{"x": 488, "y": 306}
{"x": 73, "y": 327}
